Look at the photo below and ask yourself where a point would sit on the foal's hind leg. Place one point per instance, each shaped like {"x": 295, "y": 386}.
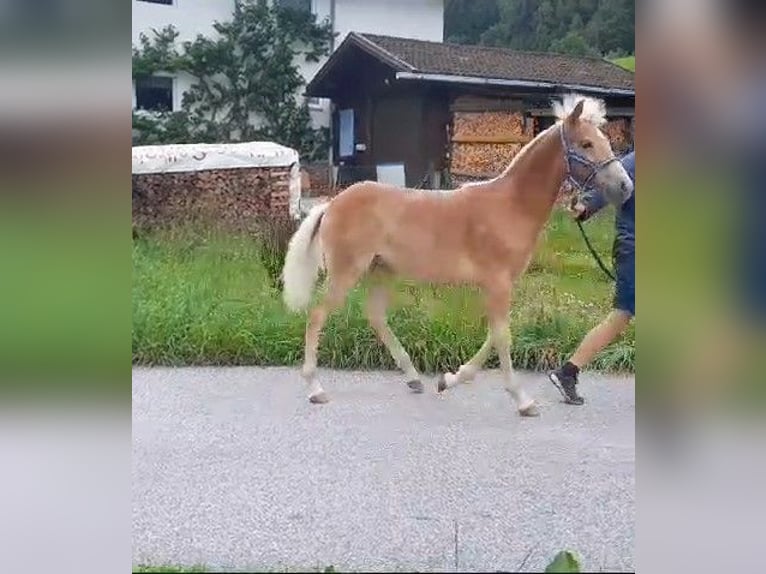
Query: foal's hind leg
{"x": 377, "y": 303}
{"x": 498, "y": 306}
{"x": 338, "y": 287}
{"x": 468, "y": 371}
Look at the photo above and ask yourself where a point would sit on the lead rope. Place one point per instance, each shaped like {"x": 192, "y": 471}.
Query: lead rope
{"x": 593, "y": 252}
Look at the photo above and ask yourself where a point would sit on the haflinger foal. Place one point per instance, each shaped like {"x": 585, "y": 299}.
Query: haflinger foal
{"x": 483, "y": 234}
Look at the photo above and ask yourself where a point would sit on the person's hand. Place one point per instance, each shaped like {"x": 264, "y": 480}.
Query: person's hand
{"x": 577, "y": 210}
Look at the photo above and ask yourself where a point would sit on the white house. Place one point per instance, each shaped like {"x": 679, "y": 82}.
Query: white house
{"x": 190, "y": 18}
{"x": 417, "y": 19}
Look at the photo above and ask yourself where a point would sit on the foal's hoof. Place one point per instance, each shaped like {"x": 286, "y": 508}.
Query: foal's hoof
{"x": 530, "y": 411}
{"x": 447, "y": 380}
{"x": 319, "y": 398}
{"x": 416, "y": 386}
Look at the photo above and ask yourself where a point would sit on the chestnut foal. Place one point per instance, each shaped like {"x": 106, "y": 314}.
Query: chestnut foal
{"x": 482, "y": 234}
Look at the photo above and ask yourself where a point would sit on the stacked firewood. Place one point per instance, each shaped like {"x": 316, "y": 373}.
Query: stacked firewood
{"x": 618, "y": 132}
{"x": 488, "y": 123}
{"x": 482, "y": 159}
{"x": 484, "y": 143}
{"x": 229, "y": 197}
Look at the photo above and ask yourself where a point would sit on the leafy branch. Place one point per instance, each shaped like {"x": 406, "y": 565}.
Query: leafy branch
{"x": 246, "y": 79}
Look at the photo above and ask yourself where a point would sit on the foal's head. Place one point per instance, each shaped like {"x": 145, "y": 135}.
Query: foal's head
{"x": 591, "y": 163}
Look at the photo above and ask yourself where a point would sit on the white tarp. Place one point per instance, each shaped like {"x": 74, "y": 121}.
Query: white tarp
{"x": 174, "y": 158}
{"x": 194, "y": 157}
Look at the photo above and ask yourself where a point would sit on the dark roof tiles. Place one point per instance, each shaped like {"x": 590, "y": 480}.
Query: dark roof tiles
{"x": 496, "y": 63}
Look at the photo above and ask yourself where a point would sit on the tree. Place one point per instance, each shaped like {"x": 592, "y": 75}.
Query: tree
{"x": 466, "y": 20}
{"x": 246, "y": 79}
{"x": 573, "y": 43}
{"x": 612, "y": 27}
{"x": 581, "y": 27}
{"x": 516, "y": 26}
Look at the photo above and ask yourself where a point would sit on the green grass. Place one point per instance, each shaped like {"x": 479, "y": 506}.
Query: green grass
{"x": 564, "y": 562}
{"x": 207, "y": 299}
{"x": 628, "y": 62}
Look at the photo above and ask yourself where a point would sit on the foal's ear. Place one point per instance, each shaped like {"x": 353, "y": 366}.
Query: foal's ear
{"x": 576, "y": 112}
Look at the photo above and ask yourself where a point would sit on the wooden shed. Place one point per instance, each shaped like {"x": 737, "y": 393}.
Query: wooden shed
{"x": 432, "y": 114}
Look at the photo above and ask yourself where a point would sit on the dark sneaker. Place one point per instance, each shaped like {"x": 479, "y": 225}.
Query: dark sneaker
{"x": 567, "y": 386}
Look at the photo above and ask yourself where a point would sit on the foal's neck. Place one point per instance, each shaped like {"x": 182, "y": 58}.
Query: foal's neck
{"x": 537, "y": 173}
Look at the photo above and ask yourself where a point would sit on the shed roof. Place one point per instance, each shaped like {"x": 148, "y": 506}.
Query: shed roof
{"x": 422, "y": 60}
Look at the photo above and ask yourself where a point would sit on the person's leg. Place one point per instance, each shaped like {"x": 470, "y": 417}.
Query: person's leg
{"x": 565, "y": 378}
{"x": 600, "y": 336}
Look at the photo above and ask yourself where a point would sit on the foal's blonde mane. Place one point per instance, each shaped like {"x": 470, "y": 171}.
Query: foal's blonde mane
{"x": 593, "y": 111}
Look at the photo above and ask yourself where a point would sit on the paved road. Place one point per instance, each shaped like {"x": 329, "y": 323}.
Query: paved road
{"x": 233, "y": 468}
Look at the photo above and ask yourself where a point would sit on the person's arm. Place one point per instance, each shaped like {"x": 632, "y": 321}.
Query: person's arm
{"x": 589, "y": 205}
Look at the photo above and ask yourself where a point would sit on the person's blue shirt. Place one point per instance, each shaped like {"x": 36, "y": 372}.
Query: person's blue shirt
{"x": 624, "y": 247}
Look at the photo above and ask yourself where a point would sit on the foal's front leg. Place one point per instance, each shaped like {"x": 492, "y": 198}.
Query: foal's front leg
{"x": 498, "y": 308}
{"x": 468, "y": 371}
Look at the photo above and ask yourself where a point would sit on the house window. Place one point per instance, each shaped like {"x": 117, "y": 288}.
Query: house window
{"x": 154, "y": 93}
{"x": 299, "y": 5}
{"x": 346, "y": 133}
{"x": 166, "y": 2}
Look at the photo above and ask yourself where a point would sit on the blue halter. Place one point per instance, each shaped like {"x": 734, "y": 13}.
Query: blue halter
{"x": 585, "y": 187}
{"x": 594, "y": 167}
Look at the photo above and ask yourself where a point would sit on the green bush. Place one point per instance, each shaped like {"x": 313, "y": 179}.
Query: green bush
{"x": 563, "y": 562}
{"x": 213, "y": 298}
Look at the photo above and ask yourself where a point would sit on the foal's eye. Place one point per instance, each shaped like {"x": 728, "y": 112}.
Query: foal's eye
{"x": 587, "y": 144}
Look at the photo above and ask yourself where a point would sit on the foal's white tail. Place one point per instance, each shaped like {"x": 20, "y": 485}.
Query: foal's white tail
{"x": 303, "y": 261}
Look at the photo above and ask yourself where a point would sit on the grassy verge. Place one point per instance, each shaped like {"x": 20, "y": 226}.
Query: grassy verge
{"x": 628, "y": 62}
{"x": 207, "y": 299}
{"x": 564, "y": 562}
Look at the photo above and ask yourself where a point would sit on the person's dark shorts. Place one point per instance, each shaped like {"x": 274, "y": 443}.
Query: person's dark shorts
{"x": 624, "y": 261}
{"x": 749, "y": 258}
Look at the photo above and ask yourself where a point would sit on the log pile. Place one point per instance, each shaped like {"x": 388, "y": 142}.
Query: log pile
{"x": 482, "y": 159}
{"x": 496, "y": 123}
{"x": 618, "y": 132}
{"x": 484, "y": 143}
{"x": 233, "y": 198}
{"x": 315, "y": 180}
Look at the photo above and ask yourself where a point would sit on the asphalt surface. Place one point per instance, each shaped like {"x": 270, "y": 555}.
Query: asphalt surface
{"x": 234, "y": 469}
